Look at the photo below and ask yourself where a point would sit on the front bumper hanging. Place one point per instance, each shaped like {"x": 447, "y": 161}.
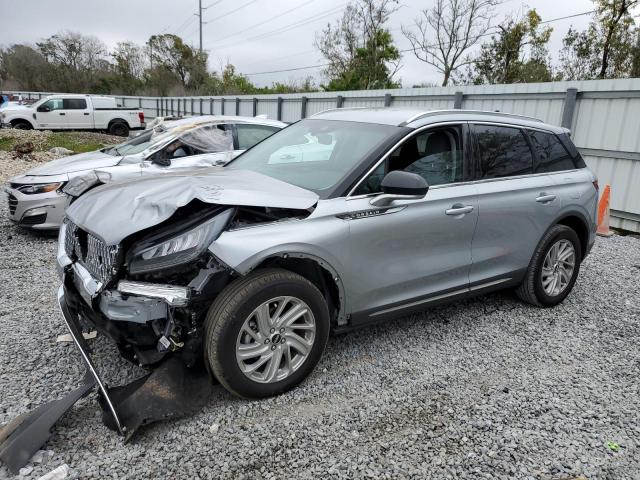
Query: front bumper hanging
{"x": 171, "y": 390}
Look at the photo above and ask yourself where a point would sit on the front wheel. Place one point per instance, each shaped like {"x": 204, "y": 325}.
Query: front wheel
{"x": 553, "y": 269}
{"x": 266, "y": 332}
{"x": 22, "y": 125}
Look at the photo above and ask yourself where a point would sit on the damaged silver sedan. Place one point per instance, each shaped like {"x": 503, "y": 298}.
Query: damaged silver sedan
{"x": 237, "y": 274}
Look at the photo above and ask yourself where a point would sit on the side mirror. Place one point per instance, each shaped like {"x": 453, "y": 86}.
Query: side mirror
{"x": 44, "y": 109}
{"x": 399, "y": 185}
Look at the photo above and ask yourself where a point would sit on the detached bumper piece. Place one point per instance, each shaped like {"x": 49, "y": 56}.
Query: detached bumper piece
{"x": 172, "y": 390}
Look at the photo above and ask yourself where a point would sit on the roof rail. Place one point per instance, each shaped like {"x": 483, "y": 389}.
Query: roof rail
{"x": 476, "y": 112}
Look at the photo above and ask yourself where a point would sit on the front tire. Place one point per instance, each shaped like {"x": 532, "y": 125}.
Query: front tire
{"x": 265, "y": 333}
{"x": 22, "y": 125}
{"x": 554, "y": 268}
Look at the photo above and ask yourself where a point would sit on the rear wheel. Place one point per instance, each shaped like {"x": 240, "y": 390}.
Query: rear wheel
{"x": 22, "y": 125}
{"x": 553, "y": 269}
{"x": 120, "y": 129}
{"x": 266, "y": 332}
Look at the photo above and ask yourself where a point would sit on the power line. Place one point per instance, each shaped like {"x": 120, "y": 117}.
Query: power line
{"x": 264, "y": 21}
{"x": 233, "y": 11}
{"x": 286, "y": 28}
{"x": 308, "y": 67}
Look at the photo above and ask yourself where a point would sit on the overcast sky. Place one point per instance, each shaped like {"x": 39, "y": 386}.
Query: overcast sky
{"x": 263, "y": 36}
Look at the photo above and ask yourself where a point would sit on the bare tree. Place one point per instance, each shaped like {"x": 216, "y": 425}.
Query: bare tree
{"x": 457, "y": 25}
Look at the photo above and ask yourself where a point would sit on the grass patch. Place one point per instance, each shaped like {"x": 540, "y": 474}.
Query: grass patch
{"x": 6, "y": 144}
{"x": 72, "y": 142}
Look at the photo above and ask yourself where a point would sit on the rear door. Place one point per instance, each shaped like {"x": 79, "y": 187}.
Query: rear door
{"x": 517, "y": 205}
{"x": 414, "y": 251}
{"x": 76, "y": 113}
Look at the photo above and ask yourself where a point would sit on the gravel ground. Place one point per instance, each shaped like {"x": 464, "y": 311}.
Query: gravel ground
{"x": 488, "y": 388}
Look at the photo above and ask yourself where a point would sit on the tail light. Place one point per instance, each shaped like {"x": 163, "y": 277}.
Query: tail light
{"x": 141, "y": 116}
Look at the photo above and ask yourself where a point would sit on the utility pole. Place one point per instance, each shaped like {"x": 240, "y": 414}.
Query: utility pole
{"x": 200, "y": 19}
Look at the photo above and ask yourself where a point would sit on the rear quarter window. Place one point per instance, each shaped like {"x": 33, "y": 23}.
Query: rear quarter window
{"x": 551, "y": 155}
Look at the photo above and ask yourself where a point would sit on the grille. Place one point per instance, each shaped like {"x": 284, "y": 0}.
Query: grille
{"x": 13, "y": 203}
{"x": 100, "y": 260}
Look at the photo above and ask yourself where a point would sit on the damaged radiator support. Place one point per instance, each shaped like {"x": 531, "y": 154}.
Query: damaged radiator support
{"x": 171, "y": 390}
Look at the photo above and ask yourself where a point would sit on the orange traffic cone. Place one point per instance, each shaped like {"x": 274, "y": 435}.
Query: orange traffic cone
{"x": 603, "y": 213}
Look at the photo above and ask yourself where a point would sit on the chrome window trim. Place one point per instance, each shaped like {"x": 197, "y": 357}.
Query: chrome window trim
{"x": 392, "y": 149}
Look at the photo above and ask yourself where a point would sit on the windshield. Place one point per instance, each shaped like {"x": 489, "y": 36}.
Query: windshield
{"x": 314, "y": 154}
{"x": 130, "y": 147}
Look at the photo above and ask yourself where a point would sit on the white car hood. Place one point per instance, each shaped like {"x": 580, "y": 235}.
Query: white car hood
{"x": 75, "y": 163}
{"x": 114, "y": 211}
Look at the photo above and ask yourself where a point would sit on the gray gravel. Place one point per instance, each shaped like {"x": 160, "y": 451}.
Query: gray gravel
{"x": 489, "y": 388}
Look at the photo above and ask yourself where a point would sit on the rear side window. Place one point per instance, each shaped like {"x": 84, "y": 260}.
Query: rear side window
{"x": 551, "y": 154}
{"x": 249, "y": 135}
{"x": 74, "y": 104}
{"x": 503, "y": 151}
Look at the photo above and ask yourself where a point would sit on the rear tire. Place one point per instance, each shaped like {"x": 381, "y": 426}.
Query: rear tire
{"x": 119, "y": 129}
{"x": 22, "y": 125}
{"x": 265, "y": 333}
{"x": 549, "y": 280}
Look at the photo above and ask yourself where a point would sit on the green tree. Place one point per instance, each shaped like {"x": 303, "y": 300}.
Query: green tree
{"x": 169, "y": 52}
{"x": 518, "y": 54}
{"x": 359, "y": 51}
{"x": 24, "y": 68}
{"x": 129, "y": 67}
{"x": 606, "y": 48}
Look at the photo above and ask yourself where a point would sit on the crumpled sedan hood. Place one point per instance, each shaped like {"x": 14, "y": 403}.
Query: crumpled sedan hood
{"x": 115, "y": 211}
{"x": 75, "y": 163}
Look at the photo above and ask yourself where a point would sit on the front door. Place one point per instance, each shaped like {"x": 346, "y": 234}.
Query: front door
{"x": 414, "y": 251}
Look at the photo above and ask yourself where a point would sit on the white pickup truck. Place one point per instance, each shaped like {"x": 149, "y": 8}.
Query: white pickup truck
{"x": 74, "y": 112}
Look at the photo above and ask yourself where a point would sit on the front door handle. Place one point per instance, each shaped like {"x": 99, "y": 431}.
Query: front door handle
{"x": 62, "y": 113}
{"x": 459, "y": 209}
{"x": 544, "y": 198}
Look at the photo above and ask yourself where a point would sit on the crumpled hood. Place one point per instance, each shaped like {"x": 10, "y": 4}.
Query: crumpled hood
{"x": 75, "y": 163}
{"x": 117, "y": 210}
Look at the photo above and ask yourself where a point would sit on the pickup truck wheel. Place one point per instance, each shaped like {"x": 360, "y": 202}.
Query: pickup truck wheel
{"x": 553, "y": 269}
{"x": 265, "y": 333}
{"x": 120, "y": 129}
{"x": 22, "y": 125}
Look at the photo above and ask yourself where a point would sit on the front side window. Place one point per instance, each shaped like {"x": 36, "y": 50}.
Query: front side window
{"x": 436, "y": 155}
{"x": 503, "y": 151}
{"x": 551, "y": 155}
{"x": 249, "y": 135}
{"x": 74, "y": 104}
{"x": 53, "y": 104}
{"x": 316, "y": 154}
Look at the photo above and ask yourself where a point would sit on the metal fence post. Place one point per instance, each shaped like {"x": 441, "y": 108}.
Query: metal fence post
{"x": 303, "y": 107}
{"x": 387, "y": 99}
{"x": 339, "y": 101}
{"x": 222, "y": 106}
{"x": 139, "y": 102}
{"x": 237, "y": 106}
{"x": 172, "y": 107}
{"x": 158, "y": 107}
{"x": 201, "y": 106}
{"x": 457, "y": 100}
{"x": 211, "y": 106}
{"x": 255, "y": 106}
{"x": 192, "y": 103}
{"x": 280, "y": 108}
{"x": 569, "y": 107}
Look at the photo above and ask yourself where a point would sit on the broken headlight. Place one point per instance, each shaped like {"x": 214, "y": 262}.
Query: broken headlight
{"x": 160, "y": 252}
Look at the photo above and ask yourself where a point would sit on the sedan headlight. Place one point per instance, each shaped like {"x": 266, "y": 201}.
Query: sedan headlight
{"x": 39, "y": 188}
{"x": 158, "y": 253}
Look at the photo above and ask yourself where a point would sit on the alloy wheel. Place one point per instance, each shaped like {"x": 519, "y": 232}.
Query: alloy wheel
{"x": 275, "y": 339}
{"x": 557, "y": 268}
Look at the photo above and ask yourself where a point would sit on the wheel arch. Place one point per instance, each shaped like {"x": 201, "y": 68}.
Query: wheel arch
{"x": 579, "y": 224}
{"x": 317, "y": 271}
{"x": 13, "y": 122}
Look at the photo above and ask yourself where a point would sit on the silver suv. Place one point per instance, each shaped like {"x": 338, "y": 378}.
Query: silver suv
{"x": 346, "y": 218}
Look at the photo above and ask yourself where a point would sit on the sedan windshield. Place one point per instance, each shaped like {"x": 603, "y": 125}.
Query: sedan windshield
{"x": 130, "y": 147}
{"x": 315, "y": 154}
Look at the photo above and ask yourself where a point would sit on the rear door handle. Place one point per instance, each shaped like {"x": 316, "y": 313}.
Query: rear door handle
{"x": 459, "y": 209}
{"x": 544, "y": 198}
{"x": 87, "y": 114}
